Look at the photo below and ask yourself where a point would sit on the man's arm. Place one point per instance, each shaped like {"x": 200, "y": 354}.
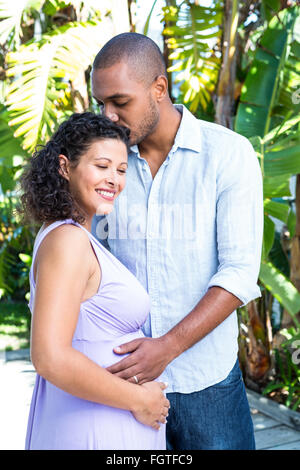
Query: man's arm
{"x": 239, "y": 217}
{"x": 150, "y": 356}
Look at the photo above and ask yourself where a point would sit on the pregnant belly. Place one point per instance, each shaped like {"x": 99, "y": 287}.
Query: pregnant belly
{"x": 102, "y": 352}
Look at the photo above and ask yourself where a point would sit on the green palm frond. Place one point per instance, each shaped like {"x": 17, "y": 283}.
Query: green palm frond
{"x": 193, "y": 34}
{"x": 11, "y": 13}
{"x": 41, "y": 74}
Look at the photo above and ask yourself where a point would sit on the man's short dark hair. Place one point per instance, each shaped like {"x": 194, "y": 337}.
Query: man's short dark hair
{"x": 140, "y": 52}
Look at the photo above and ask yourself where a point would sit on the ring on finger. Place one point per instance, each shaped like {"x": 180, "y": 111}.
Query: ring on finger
{"x": 136, "y": 379}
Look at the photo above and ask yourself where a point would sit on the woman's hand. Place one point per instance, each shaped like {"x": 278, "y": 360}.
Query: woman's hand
{"x": 154, "y": 406}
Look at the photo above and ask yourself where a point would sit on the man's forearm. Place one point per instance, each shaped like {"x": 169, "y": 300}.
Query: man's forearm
{"x": 214, "y": 307}
{"x": 148, "y": 357}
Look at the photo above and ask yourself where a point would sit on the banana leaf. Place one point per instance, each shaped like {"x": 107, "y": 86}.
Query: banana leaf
{"x": 276, "y": 186}
{"x": 277, "y": 131}
{"x": 282, "y": 162}
{"x": 281, "y": 288}
{"x": 268, "y": 236}
{"x": 277, "y": 209}
{"x": 259, "y": 92}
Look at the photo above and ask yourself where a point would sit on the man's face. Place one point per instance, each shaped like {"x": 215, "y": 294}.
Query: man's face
{"x": 126, "y": 101}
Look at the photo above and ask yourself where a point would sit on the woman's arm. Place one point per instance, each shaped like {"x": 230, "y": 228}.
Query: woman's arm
{"x": 64, "y": 263}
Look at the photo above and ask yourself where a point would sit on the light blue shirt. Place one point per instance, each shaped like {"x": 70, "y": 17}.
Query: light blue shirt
{"x": 197, "y": 224}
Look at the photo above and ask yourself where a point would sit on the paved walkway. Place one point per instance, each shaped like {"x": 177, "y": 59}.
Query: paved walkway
{"x": 17, "y": 378}
{"x": 16, "y": 384}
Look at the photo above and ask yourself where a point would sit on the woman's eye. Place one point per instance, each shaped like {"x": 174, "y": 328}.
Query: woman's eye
{"x": 122, "y": 171}
{"x": 99, "y": 166}
{"x": 120, "y": 104}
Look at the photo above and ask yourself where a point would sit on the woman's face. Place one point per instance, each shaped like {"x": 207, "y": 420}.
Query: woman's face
{"x": 99, "y": 177}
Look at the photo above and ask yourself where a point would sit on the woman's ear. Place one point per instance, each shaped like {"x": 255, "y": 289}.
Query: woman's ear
{"x": 64, "y": 166}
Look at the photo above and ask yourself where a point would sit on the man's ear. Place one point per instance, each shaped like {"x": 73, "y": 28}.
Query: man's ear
{"x": 64, "y": 166}
{"x": 160, "y": 87}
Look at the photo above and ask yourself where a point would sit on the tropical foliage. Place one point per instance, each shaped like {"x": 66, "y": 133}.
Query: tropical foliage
{"x": 47, "y": 50}
{"x": 193, "y": 36}
{"x": 232, "y": 62}
{"x": 267, "y": 115}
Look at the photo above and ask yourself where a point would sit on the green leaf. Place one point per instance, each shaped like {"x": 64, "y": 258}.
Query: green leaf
{"x": 281, "y": 129}
{"x": 291, "y": 223}
{"x": 296, "y": 405}
{"x": 25, "y": 258}
{"x": 193, "y": 32}
{"x": 295, "y": 48}
{"x": 270, "y": 387}
{"x": 283, "y": 162}
{"x": 276, "y": 186}
{"x": 52, "y": 6}
{"x": 269, "y": 7}
{"x": 10, "y": 146}
{"x": 268, "y": 236}
{"x": 278, "y": 256}
{"x": 6, "y": 179}
{"x": 259, "y": 92}
{"x": 146, "y": 27}
{"x": 281, "y": 288}
{"x": 277, "y": 209}
{"x": 11, "y": 13}
{"x": 34, "y": 103}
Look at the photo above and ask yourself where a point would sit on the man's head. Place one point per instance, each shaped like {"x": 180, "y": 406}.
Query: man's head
{"x": 129, "y": 80}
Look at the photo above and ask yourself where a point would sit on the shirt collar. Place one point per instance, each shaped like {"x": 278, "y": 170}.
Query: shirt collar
{"x": 188, "y": 135}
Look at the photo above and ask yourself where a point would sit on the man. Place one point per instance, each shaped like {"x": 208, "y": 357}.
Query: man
{"x": 189, "y": 227}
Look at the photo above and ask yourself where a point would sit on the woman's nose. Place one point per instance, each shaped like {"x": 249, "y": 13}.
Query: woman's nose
{"x": 112, "y": 178}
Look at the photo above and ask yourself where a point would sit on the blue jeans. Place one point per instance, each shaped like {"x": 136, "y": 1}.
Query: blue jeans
{"x": 215, "y": 418}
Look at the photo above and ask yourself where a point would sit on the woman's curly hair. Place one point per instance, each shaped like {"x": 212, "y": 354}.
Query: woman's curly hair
{"x": 45, "y": 193}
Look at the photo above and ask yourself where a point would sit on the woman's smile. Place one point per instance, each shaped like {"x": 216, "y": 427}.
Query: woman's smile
{"x": 106, "y": 194}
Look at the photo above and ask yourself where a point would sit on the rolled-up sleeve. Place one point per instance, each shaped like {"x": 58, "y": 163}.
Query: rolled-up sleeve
{"x": 239, "y": 222}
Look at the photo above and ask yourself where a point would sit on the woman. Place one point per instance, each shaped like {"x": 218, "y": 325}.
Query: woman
{"x": 84, "y": 301}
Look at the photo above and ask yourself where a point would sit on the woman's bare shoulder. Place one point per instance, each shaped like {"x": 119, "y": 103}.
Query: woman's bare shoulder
{"x": 65, "y": 240}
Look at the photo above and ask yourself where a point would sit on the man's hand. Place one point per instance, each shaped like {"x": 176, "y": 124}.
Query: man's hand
{"x": 148, "y": 358}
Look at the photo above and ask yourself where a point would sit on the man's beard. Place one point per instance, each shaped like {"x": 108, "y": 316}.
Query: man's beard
{"x": 148, "y": 125}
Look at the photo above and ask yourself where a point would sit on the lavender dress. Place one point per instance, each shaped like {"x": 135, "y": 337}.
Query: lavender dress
{"x": 114, "y": 315}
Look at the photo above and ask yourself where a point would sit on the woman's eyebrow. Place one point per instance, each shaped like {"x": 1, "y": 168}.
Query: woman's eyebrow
{"x": 109, "y": 160}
